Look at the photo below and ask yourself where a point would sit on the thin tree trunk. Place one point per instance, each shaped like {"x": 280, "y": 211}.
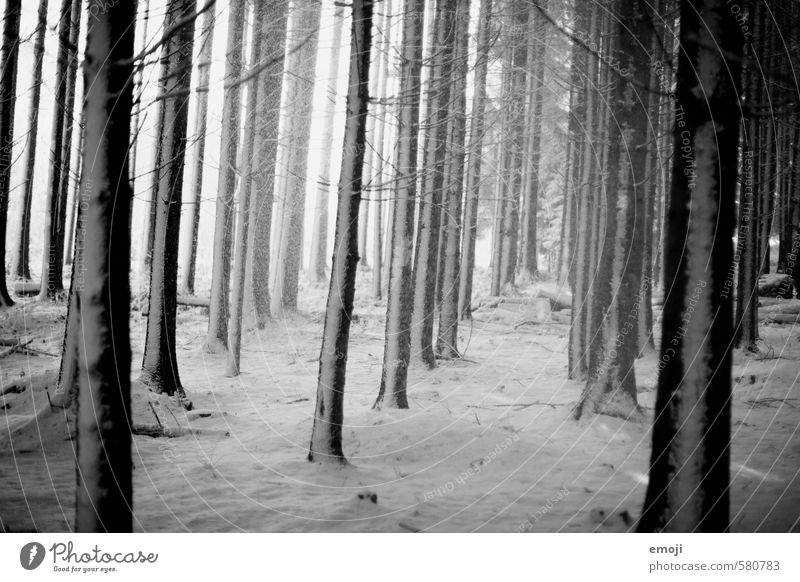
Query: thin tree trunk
{"x": 21, "y": 268}
{"x": 104, "y": 495}
{"x": 477, "y": 133}
{"x": 326, "y": 433}
{"x": 160, "y": 366}
{"x": 9, "y": 52}
{"x": 428, "y": 223}
{"x": 188, "y": 257}
{"x": 51, "y": 279}
{"x": 319, "y": 232}
{"x": 260, "y": 30}
{"x": 447, "y": 336}
{"x": 688, "y": 488}
{"x": 217, "y": 338}
{"x": 537, "y": 49}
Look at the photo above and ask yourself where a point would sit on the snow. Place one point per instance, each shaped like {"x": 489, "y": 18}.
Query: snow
{"x": 488, "y": 444}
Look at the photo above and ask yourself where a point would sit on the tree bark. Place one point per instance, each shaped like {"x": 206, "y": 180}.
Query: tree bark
{"x": 428, "y": 223}
{"x": 326, "y": 433}
{"x": 260, "y": 30}
{"x": 21, "y": 268}
{"x": 477, "y": 133}
{"x": 104, "y": 495}
{"x": 188, "y": 257}
{"x": 160, "y": 366}
{"x": 9, "y": 52}
{"x": 688, "y": 489}
{"x": 302, "y": 40}
{"x": 270, "y": 87}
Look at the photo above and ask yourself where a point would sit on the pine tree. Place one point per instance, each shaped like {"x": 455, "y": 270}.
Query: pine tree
{"x": 104, "y": 495}
{"x": 326, "y": 433}
{"x": 160, "y": 366}
{"x": 688, "y": 489}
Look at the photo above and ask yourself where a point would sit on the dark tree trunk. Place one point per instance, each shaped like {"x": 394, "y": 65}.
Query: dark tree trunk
{"x": 326, "y": 433}
{"x": 9, "y": 52}
{"x": 188, "y": 258}
{"x": 688, "y": 489}
{"x": 450, "y": 266}
{"x": 269, "y": 98}
{"x": 218, "y": 308}
{"x": 160, "y": 365}
{"x": 55, "y": 217}
{"x": 477, "y": 133}
{"x": 21, "y": 268}
{"x": 611, "y": 384}
{"x": 400, "y": 300}
{"x": 104, "y": 495}
{"x": 428, "y": 224}
{"x": 746, "y": 331}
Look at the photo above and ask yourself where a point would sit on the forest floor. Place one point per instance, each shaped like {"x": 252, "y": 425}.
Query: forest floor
{"x": 489, "y": 443}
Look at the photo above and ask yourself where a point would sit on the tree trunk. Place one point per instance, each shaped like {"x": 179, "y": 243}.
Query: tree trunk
{"x": 537, "y": 45}
{"x": 9, "y": 52}
{"x": 160, "y": 365}
{"x": 104, "y": 495}
{"x": 326, "y": 433}
{"x": 268, "y": 118}
{"x": 746, "y": 330}
{"x": 428, "y": 223}
{"x": 399, "y": 304}
{"x": 21, "y": 268}
{"x": 319, "y": 232}
{"x": 611, "y": 384}
{"x": 217, "y": 338}
{"x": 188, "y": 257}
{"x": 688, "y": 489}
{"x": 447, "y": 337}
{"x": 302, "y": 40}
{"x": 380, "y": 153}
{"x": 259, "y": 30}
{"x": 51, "y": 279}
{"x": 477, "y": 131}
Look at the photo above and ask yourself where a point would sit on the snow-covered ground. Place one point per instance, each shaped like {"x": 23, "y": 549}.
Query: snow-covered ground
{"x": 488, "y": 444}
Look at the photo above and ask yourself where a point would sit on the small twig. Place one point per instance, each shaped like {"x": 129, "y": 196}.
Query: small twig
{"x": 410, "y": 528}
{"x": 158, "y": 420}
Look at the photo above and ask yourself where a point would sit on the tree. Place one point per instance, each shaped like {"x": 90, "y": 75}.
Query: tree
{"x": 259, "y": 30}
{"x": 104, "y": 495}
{"x": 688, "y": 489}
{"x": 611, "y": 380}
{"x": 475, "y": 155}
{"x": 302, "y": 39}
{"x": 319, "y": 232}
{"x": 399, "y": 303}
{"x": 450, "y": 265}
{"x": 432, "y": 181}
{"x": 269, "y": 91}
{"x": 55, "y": 207}
{"x": 537, "y": 48}
{"x": 21, "y": 268}
{"x": 188, "y": 258}
{"x": 326, "y": 433}
{"x": 9, "y": 51}
{"x": 218, "y": 310}
{"x": 160, "y": 366}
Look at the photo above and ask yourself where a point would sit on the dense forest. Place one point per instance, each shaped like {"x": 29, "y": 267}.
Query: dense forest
{"x": 397, "y": 265}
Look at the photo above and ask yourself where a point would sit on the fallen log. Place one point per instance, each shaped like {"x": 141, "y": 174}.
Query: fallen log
{"x": 186, "y": 300}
